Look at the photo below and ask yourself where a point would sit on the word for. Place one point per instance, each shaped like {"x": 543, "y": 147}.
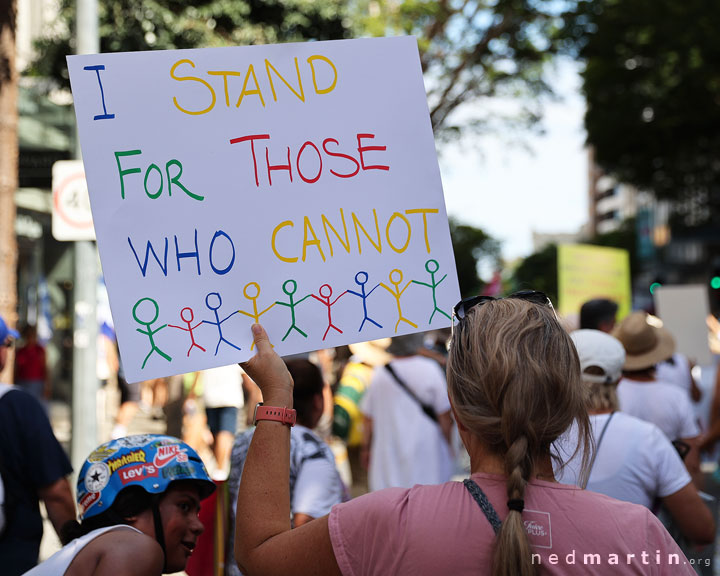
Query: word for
{"x": 397, "y": 220}
{"x": 311, "y": 152}
{"x": 153, "y": 172}
{"x": 251, "y": 86}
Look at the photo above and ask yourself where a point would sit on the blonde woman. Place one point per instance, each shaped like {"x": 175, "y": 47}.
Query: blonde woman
{"x": 514, "y": 387}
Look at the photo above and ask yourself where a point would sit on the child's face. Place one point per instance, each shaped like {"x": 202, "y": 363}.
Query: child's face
{"x": 179, "y": 510}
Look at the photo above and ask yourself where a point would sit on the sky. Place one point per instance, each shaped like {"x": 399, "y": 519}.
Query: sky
{"x": 511, "y": 191}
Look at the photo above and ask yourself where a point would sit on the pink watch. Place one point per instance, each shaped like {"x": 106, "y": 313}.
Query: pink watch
{"x": 275, "y": 414}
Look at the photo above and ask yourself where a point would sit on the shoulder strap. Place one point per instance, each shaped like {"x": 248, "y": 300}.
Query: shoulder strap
{"x": 597, "y": 446}
{"x": 429, "y": 410}
{"x": 482, "y": 501}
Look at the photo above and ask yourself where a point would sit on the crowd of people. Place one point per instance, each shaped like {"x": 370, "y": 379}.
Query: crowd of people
{"x": 510, "y": 446}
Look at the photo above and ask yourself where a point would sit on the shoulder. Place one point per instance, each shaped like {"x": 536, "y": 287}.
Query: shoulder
{"x": 121, "y": 550}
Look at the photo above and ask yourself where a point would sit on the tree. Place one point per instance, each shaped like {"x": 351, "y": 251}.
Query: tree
{"x": 471, "y": 245}
{"x": 473, "y": 51}
{"x": 130, "y": 25}
{"x": 538, "y": 272}
{"x": 8, "y": 166}
{"x": 652, "y": 87}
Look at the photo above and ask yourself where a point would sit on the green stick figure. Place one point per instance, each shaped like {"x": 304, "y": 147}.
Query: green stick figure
{"x": 396, "y": 294}
{"x": 433, "y": 286}
{"x": 290, "y": 287}
{"x": 254, "y": 298}
{"x": 150, "y": 332}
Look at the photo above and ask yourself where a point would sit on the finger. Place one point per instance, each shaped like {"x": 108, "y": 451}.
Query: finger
{"x": 260, "y": 337}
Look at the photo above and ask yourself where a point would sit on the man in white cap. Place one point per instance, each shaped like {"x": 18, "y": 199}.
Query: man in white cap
{"x": 633, "y": 460}
{"x": 33, "y": 467}
{"x": 642, "y": 395}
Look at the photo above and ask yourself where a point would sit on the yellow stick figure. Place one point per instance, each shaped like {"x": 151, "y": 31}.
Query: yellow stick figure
{"x": 396, "y": 294}
{"x": 254, "y": 298}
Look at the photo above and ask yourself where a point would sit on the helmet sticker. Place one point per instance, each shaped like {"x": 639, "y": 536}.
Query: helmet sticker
{"x": 134, "y": 441}
{"x": 97, "y": 477}
{"x": 137, "y": 473}
{"x": 134, "y": 457}
{"x": 166, "y": 454}
{"x": 101, "y": 453}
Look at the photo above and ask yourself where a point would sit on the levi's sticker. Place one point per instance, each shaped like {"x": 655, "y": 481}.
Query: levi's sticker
{"x": 537, "y": 526}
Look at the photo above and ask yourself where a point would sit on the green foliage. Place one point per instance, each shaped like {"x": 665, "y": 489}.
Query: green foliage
{"x": 652, "y": 86}
{"x": 471, "y": 245}
{"x": 132, "y": 25}
{"x": 472, "y": 51}
{"x": 538, "y": 272}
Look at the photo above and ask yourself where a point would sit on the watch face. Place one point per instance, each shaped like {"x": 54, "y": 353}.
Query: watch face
{"x": 255, "y": 413}
{"x": 97, "y": 477}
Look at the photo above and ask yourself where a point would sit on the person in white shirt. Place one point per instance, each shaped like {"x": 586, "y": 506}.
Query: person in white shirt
{"x": 678, "y": 370}
{"x": 315, "y": 484}
{"x": 403, "y": 444}
{"x": 642, "y": 395}
{"x": 633, "y": 460}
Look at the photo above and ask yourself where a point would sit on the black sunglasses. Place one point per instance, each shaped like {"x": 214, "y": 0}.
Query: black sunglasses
{"x": 462, "y": 308}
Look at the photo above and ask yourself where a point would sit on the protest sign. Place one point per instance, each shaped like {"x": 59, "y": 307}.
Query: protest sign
{"x": 296, "y": 185}
{"x": 683, "y": 311}
{"x": 586, "y": 272}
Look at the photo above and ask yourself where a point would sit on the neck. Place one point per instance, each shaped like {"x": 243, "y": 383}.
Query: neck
{"x": 484, "y": 461}
{"x": 598, "y": 412}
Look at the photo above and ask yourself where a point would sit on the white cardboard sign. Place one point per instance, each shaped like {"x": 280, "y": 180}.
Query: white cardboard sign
{"x": 296, "y": 185}
{"x": 683, "y": 310}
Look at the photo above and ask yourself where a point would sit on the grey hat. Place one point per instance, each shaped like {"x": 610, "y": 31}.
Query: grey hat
{"x": 406, "y": 345}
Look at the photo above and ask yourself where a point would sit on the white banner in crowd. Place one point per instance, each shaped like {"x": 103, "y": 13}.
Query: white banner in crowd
{"x": 295, "y": 185}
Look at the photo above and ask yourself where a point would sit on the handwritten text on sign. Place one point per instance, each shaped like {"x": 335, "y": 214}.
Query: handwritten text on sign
{"x": 294, "y": 185}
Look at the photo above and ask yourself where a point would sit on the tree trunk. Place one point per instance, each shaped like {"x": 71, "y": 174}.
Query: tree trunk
{"x": 8, "y": 169}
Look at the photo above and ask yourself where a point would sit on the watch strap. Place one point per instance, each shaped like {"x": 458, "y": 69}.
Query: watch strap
{"x": 276, "y": 414}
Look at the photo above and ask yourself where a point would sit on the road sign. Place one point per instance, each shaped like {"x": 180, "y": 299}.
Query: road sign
{"x": 71, "y": 215}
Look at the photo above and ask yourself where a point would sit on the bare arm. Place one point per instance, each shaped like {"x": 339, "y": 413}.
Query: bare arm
{"x": 366, "y": 442}
{"x": 692, "y": 460}
{"x": 59, "y": 502}
{"x": 264, "y": 543}
{"x": 691, "y": 515}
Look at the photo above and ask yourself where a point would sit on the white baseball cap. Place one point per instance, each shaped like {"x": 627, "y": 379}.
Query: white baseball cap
{"x": 596, "y": 348}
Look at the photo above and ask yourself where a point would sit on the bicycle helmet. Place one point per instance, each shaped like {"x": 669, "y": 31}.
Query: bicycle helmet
{"x": 151, "y": 461}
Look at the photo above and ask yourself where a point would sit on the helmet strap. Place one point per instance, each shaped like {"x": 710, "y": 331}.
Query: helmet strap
{"x": 159, "y": 532}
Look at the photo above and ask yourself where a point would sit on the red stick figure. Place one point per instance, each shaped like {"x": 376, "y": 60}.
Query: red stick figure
{"x": 325, "y": 299}
{"x": 189, "y": 328}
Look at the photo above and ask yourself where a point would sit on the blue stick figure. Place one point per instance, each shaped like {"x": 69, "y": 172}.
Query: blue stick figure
{"x": 217, "y": 321}
{"x": 432, "y": 266}
{"x": 290, "y": 287}
{"x": 150, "y": 332}
{"x": 361, "y": 279}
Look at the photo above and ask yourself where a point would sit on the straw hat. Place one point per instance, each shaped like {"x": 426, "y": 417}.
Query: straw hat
{"x": 373, "y": 353}
{"x": 645, "y": 345}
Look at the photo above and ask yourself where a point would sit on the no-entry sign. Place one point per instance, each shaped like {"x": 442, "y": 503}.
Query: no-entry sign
{"x": 71, "y": 215}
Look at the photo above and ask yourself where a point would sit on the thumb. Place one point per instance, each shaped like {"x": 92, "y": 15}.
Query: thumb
{"x": 260, "y": 337}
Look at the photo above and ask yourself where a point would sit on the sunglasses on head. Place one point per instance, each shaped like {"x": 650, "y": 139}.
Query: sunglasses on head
{"x": 462, "y": 308}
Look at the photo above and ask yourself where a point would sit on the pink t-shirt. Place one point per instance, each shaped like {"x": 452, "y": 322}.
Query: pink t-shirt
{"x": 431, "y": 530}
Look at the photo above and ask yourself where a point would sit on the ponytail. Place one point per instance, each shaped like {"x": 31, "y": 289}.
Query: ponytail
{"x": 512, "y": 555}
